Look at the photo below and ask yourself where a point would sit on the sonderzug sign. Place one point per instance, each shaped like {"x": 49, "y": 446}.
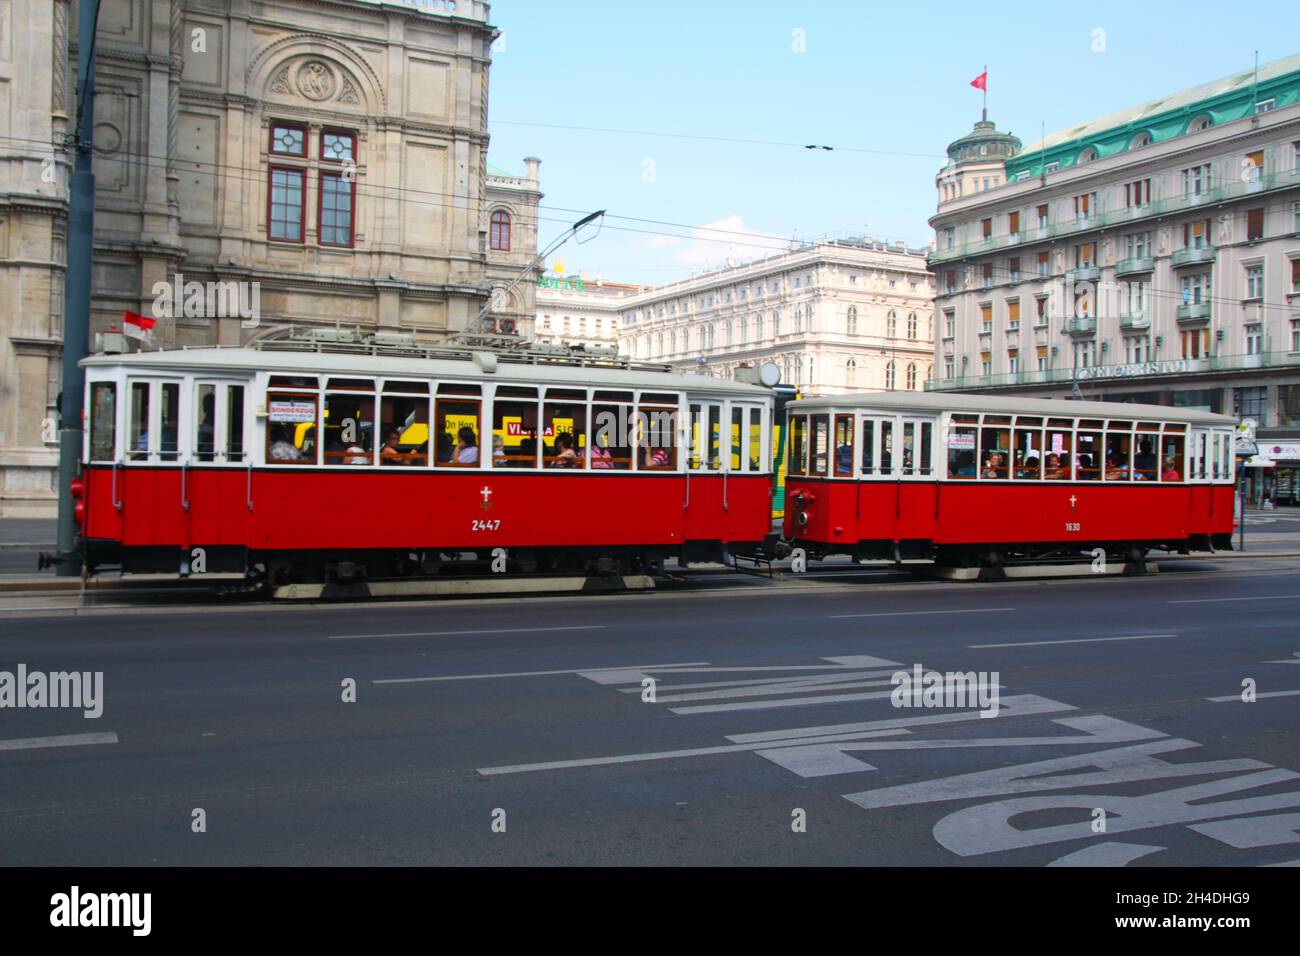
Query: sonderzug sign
{"x": 1172, "y": 367}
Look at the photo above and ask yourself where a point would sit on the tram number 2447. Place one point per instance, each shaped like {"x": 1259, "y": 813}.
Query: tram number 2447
{"x": 486, "y": 524}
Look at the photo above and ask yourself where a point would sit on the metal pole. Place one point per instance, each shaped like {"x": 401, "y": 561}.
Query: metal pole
{"x": 76, "y": 324}
{"x": 1241, "y": 525}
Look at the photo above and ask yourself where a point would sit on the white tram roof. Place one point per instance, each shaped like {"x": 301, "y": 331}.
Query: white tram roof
{"x": 216, "y": 359}
{"x": 936, "y": 402}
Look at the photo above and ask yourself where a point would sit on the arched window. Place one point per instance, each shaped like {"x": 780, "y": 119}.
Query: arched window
{"x": 500, "y": 234}
{"x": 726, "y": 331}
{"x": 891, "y": 325}
{"x": 911, "y": 325}
{"x": 853, "y": 321}
{"x": 1140, "y": 140}
{"x": 798, "y": 318}
{"x": 776, "y": 323}
{"x": 798, "y": 369}
{"x": 911, "y": 376}
{"x": 889, "y": 375}
{"x": 851, "y": 372}
{"x": 744, "y": 327}
{"x": 1088, "y": 155}
{"x": 1199, "y": 123}
{"x": 672, "y": 341}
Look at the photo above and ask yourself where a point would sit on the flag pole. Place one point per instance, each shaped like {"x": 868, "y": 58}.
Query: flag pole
{"x": 985, "y": 91}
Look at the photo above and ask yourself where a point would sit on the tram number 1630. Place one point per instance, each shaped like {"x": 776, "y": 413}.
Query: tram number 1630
{"x": 1072, "y": 526}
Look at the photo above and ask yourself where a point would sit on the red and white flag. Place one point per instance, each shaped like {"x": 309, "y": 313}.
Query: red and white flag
{"x": 981, "y": 82}
{"x": 138, "y": 326}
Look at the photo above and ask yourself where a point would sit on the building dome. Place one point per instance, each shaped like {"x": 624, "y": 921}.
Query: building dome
{"x": 982, "y": 144}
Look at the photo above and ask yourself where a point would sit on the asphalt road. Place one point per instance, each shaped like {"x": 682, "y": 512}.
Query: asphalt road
{"x": 771, "y": 706}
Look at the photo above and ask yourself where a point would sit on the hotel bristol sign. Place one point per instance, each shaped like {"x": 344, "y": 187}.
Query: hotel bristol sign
{"x": 1134, "y": 369}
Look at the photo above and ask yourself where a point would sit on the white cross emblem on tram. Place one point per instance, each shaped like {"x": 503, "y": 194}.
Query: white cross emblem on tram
{"x": 1073, "y": 499}
{"x": 486, "y": 492}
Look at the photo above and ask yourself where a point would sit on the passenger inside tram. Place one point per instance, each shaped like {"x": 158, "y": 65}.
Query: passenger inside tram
{"x": 1170, "y": 471}
{"x": 446, "y": 448}
{"x": 1054, "y": 471}
{"x": 390, "y": 454}
{"x": 1144, "y": 464}
{"x": 565, "y": 456}
{"x": 282, "y": 447}
{"x": 996, "y": 466}
{"x": 466, "y": 446}
{"x": 965, "y": 465}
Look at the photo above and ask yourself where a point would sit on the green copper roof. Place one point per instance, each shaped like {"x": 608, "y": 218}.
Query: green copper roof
{"x": 1223, "y": 100}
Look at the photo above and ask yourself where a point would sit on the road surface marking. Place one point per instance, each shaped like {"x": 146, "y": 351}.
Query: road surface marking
{"x": 964, "y": 610}
{"x": 1106, "y": 854}
{"x": 1081, "y": 640}
{"x": 64, "y": 740}
{"x": 494, "y": 630}
{"x": 1269, "y": 597}
{"x": 639, "y": 758}
{"x": 1271, "y": 693}
{"x": 571, "y": 670}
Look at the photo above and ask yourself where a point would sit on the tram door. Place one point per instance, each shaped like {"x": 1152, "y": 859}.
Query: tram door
{"x": 704, "y": 517}
{"x": 915, "y": 470}
{"x": 150, "y": 486}
{"x": 218, "y": 480}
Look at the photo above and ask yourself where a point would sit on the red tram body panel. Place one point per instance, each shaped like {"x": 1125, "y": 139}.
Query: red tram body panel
{"x": 289, "y": 461}
{"x": 906, "y": 475}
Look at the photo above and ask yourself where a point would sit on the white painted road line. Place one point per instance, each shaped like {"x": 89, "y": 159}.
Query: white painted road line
{"x": 496, "y": 630}
{"x": 964, "y": 610}
{"x": 1269, "y": 597}
{"x": 64, "y": 740}
{"x": 1271, "y": 693}
{"x": 571, "y": 670}
{"x": 1081, "y": 640}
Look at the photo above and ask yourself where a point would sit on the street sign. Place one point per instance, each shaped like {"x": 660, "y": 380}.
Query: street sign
{"x": 1246, "y": 437}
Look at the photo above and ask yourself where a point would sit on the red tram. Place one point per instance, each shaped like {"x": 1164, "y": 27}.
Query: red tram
{"x": 305, "y": 461}
{"x": 983, "y": 479}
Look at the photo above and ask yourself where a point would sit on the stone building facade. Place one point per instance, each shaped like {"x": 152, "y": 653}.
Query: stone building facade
{"x": 835, "y": 316}
{"x": 328, "y": 156}
{"x": 1150, "y": 255}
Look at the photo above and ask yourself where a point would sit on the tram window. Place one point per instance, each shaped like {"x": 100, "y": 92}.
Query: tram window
{"x": 1119, "y": 453}
{"x": 887, "y": 463}
{"x": 1056, "y": 458}
{"x": 349, "y": 433}
{"x": 798, "y": 444}
{"x": 294, "y": 381}
{"x": 1171, "y": 458}
{"x": 656, "y": 425}
{"x": 713, "y": 437}
{"x": 1214, "y": 455}
{"x": 1029, "y": 454}
{"x": 612, "y": 397}
{"x": 751, "y": 440}
{"x": 234, "y": 423}
{"x": 205, "y": 422}
{"x": 409, "y": 388}
{"x": 514, "y": 430}
{"x": 843, "y": 445}
{"x": 909, "y": 447}
{"x": 138, "y": 429}
{"x": 1089, "y": 457}
{"x": 290, "y": 428}
{"x": 1145, "y": 462}
{"x": 961, "y": 450}
{"x": 821, "y": 427}
{"x": 995, "y": 452}
{"x": 456, "y": 433}
{"x": 927, "y": 441}
{"x": 868, "y": 446}
{"x": 564, "y": 436}
{"x": 103, "y": 421}
{"x": 1226, "y": 447}
{"x": 403, "y": 430}
{"x": 565, "y": 394}
{"x": 612, "y": 433}
{"x": 1202, "y": 453}
{"x": 350, "y": 385}
{"x": 170, "y": 422}
{"x": 458, "y": 388}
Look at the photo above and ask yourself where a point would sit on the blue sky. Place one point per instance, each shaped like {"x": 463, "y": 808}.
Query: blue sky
{"x": 886, "y": 84}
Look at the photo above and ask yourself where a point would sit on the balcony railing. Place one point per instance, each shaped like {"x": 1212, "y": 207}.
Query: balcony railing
{"x": 1090, "y": 273}
{"x": 1134, "y": 264}
{"x": 1232, "y": 189}
{"x": 1081, "y": 325}
{"x": 1194, "y": 312}
{"x": 1135, "y": 321}
{"x": 1193, "y": 256}
{"x": 1157, "y": 368}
